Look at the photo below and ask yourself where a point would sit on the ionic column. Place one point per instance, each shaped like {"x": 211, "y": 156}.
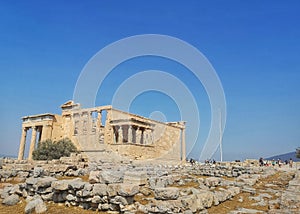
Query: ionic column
{"x": 22, "y": 144}
{"x": 120, "y": 133}
{"x": 129, "y": 134}
{"x": 146, "y": 136}
{"x": 151, "y": 137}
{"x": 32, "y": 143}
{"x": 114, "y": 135}
{"x": 138, "y": 136}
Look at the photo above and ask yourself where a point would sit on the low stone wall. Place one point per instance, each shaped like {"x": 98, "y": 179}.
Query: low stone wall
{"x": 132, "y": 188}
{"x": 19, "y": 170}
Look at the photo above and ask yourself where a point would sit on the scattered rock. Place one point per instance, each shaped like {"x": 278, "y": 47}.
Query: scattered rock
{"x": 111, "y": 176}
{"x": 31, "y": 205}
{"x": 168, "y": 193}
{"x": 11, "y": 200}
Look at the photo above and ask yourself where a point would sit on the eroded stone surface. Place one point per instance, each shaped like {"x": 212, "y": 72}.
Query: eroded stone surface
{"x": 177, "y": 189}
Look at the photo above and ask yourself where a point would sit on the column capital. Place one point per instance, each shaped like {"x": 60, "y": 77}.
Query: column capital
{"x": 25, "y": 128}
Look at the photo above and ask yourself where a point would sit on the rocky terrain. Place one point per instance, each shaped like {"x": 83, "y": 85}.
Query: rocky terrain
{"x": 130, "y": 187}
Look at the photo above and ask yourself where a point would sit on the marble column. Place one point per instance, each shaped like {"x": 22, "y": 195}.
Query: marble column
{"x": 145, "y": 137}
{"x": 129, "y": 134}
{"x": 151, "y": 137}
{"x": 114, "y": 131}
{"x": 22, "y": 144}
{"x": 138, "y": 136}
{"x": 120, "y": 135}
{"x": 32, "y": 143}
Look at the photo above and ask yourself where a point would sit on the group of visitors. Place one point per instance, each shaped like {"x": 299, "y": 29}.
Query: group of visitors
{"x": 210, "y": 161}
{"x": 278, "y": 162}
{"x": 207, "y": 162}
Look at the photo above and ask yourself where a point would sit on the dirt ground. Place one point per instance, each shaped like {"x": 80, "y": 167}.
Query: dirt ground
{"x": 279, "y": 182}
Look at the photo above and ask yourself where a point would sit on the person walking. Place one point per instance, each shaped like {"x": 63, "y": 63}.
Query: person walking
{"x": 291, "y": 163}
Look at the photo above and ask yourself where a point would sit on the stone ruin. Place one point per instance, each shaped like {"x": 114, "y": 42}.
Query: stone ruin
{"x": 148, "y": 188}
{"x": 107, "y": 133}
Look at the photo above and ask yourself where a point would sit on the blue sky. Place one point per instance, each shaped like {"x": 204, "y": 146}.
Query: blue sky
{"x": 254, "y": 47}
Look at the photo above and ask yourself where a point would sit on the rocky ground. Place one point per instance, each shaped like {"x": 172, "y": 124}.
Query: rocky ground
{"x": 75, "y": 187}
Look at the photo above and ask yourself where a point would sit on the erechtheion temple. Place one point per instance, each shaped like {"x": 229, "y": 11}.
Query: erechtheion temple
{"x": 98, "y": 129}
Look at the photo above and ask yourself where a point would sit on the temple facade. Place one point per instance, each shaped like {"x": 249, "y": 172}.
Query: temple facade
{"x": 103, "y": 128}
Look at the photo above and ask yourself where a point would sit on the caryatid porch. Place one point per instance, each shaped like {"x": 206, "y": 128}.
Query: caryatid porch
{"x": 41, "y": 126}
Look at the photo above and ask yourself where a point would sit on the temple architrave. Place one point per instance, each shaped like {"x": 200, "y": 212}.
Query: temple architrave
{"x": 98, "y": 129}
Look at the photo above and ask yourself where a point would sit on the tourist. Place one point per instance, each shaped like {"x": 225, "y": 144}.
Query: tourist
{"x": 291, "y": 162}
{"x": 261, "y": 161}
{"x": 273, "y": 162}
{"x": 192, "y": 161}
{"x": 279, "y": 163}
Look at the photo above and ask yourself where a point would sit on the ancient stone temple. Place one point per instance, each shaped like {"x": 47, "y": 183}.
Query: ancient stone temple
{"x": 95, "y": 131}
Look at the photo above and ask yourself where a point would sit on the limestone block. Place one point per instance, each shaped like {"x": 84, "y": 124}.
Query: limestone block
{"x": 128, "y": 190}
{"x": 31, "y": 205}
{"x": 155, "y": 182}
{"x": 40, "y": 208}
{"x": 113, "y": 189}
{"x": 111, "y": 176}
{"x": 94, "y": 177}
{"x": 11, "y": 200}
{"x": 233, "y": 190}
{"x": 16, "y": 190}
{"x": 23, "y": 174}
{"x": 190, "y": 202}
{"x": 99, "y": 189}
{"x": 205, "y": 199}
{"x": 168, "y": 193}
{"x": 119, "y": 200}
{"x": 37, "y": 172}
{"x": 77, "y": 184}
{"x": 60, "y": 185}
{"x": 212, "y": 181}
{"x": 31, "y": 181}
{"x": 44, "y": 190}
{"x": 44, "y": 182}
{"x": 138, "y": 178}
{"x": 103, "y": 207}
{"x": 96, "y": 199}
{"x": 220, "y": 196}
{"x": 5, "y": 191}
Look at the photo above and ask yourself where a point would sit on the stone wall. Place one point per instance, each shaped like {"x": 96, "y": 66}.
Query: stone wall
{"x": 132, "y": 188}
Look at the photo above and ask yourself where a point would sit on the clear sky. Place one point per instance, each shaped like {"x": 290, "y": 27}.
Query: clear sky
{"x": 254, "y": 47}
